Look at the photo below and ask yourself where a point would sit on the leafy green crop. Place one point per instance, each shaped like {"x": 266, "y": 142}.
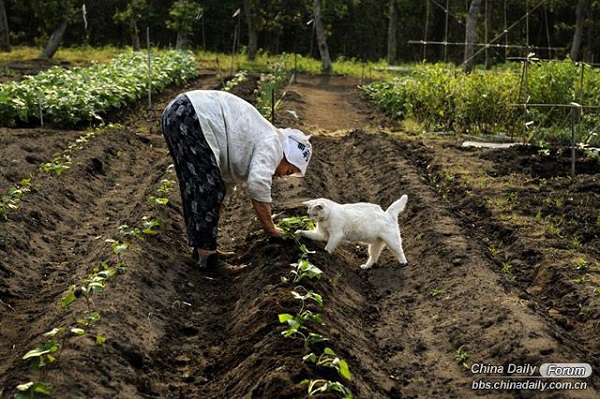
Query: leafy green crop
{"x": 444, "y": 97}
{"x": 67, "y": 97}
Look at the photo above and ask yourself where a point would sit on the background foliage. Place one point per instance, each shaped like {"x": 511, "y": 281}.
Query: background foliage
{"x": 356, "y": 28}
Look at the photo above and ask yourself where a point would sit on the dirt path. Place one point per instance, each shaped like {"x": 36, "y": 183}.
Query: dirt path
{"x": 175, "y": 332}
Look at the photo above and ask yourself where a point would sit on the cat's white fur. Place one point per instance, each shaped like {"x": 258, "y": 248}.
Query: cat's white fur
{"x": 359, "y": 222}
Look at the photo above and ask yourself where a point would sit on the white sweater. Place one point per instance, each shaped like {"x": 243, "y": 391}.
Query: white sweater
{"x": 247, "y": 146}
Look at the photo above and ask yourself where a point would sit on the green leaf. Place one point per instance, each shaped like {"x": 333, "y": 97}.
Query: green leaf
{"x": 48, "y": 347}
{"x": 284, "y": 317}
{"x": 311, "y": 358}
{"x": 329, "y": 351}
{"x": 54, "y": 331}
{"x": 26, "y": 386}
{"x": 68, "y": 299}
{"x": 344, "y": 369}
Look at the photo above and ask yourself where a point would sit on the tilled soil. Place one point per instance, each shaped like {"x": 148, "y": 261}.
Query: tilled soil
{"x": 502, "y": 245}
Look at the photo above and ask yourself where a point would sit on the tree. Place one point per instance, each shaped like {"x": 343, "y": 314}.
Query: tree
{"x": 131, "y": 15}
{"x": 327, "y": 65}
{"x": 583, "y": 9}
{"x": 55, "y": 16}
{"x": 4, "y": 31}
{"x": 392, "y": 48}
{"x": 251, "y": 21}
{"x": 182, "y": 15}
{"x": 471, "y": 30}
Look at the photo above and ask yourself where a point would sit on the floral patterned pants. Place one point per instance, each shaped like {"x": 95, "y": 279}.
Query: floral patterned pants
{"x": 200, "y": 182}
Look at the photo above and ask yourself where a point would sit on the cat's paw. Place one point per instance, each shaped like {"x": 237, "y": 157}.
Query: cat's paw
{"x": 366, "y": 266}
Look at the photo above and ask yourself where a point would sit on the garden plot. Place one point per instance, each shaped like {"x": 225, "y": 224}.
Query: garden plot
{"x": 498, "y": 271}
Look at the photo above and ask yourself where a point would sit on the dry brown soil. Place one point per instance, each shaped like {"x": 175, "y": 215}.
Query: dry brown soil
{"x": 503, "y": 250}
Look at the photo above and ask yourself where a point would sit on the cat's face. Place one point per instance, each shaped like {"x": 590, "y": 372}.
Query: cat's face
{"x": 318, "y": 209}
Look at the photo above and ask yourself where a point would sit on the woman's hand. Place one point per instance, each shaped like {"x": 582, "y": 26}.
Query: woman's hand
{"x": 263, "y": 211}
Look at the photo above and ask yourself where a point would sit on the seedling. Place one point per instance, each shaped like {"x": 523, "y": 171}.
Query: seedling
{"x": 304, "y": 269}
{"x": 310, "y": 295}
{"x": 118, "y": 247}
{"x": 166, "y": 186}
{"x": 60, "y": 163}
{"x": 319, "y": 386}
{"x": 13, "y": 197}
{"x": 155, "y": 202}
{"x": 125, "y": 231}
{"x": 95, "y": 283}
{"x": 151, "y": 226}
{"x": 43, "y": 354}
{"x": 236, "y": 80}
{"x": 329, "y": 359}
{"x": 581, "y": 265}
{"x": 296, "y": 325}
{"x": 30, "y": 389}
{"x": 461, "y": 357}
{"x": 506, "y": 268}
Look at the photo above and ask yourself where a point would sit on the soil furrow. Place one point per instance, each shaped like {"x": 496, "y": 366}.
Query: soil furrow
{"x": 173, "y": 331}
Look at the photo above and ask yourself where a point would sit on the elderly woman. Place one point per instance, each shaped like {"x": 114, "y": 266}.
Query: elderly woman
{"x": 217, "y": 141}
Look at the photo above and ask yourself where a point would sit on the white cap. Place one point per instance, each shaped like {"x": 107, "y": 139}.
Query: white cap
{"x": 297, "y": 148}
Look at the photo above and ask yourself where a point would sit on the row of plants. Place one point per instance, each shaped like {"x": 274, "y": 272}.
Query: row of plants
{"x": 533, "y": 99}
{"x": 270, "y": 86}
{"x": 61, "y": 161}
{"x": 66, "y": 97}
{"x": 300, "y": 325}
{"x": 47, "y": 354}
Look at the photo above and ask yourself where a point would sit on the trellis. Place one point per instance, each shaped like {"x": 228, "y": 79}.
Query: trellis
{"x": 576, "y": 108}
{"x": 487, "y": 44}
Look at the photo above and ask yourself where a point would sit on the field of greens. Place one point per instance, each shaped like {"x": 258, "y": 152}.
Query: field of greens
{"x": 67, "y": 97}
{"x": 532, "y": 101}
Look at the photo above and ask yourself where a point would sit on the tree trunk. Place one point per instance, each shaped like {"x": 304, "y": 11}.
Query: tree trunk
{"x": 182, "y": 40}
{"x": 135, "y": 33}
{"x": 392, "y": 29}
{"x": 252, "y": 33}
{"x": 581, "y": 13}
{"x": 327, "y": 66}
{"x": 471, "y": 31}
{"x": 54, "y": 42}
{"x": 4, "y": 36}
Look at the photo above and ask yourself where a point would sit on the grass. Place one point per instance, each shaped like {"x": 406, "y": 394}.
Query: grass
{"x": 79, "y": 56}
{"x": 230, "y": 64}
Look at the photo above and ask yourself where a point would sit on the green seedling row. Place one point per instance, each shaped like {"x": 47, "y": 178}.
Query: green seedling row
{"x": 67, "y": 97}
{"x": 298, "y": 325}
{"x": 45, "y": 355}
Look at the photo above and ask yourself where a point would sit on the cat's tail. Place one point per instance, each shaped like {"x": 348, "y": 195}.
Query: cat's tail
{"x": 397, "y": 207}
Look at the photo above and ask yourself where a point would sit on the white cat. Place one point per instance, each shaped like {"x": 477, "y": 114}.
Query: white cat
{"x": 360, "y": 222}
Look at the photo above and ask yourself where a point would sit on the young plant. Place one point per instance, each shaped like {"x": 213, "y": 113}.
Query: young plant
{"x": 320, "y": 386}
{"x": 30, "y": 389}
{"x": 304, "y": 269}
{"x": 13, "y": 197}
{"x": 151, "y": 226}
{"x": 329, "y": 359}
{"x": 310, "y": 295}
{"x": 461, "y": 357}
